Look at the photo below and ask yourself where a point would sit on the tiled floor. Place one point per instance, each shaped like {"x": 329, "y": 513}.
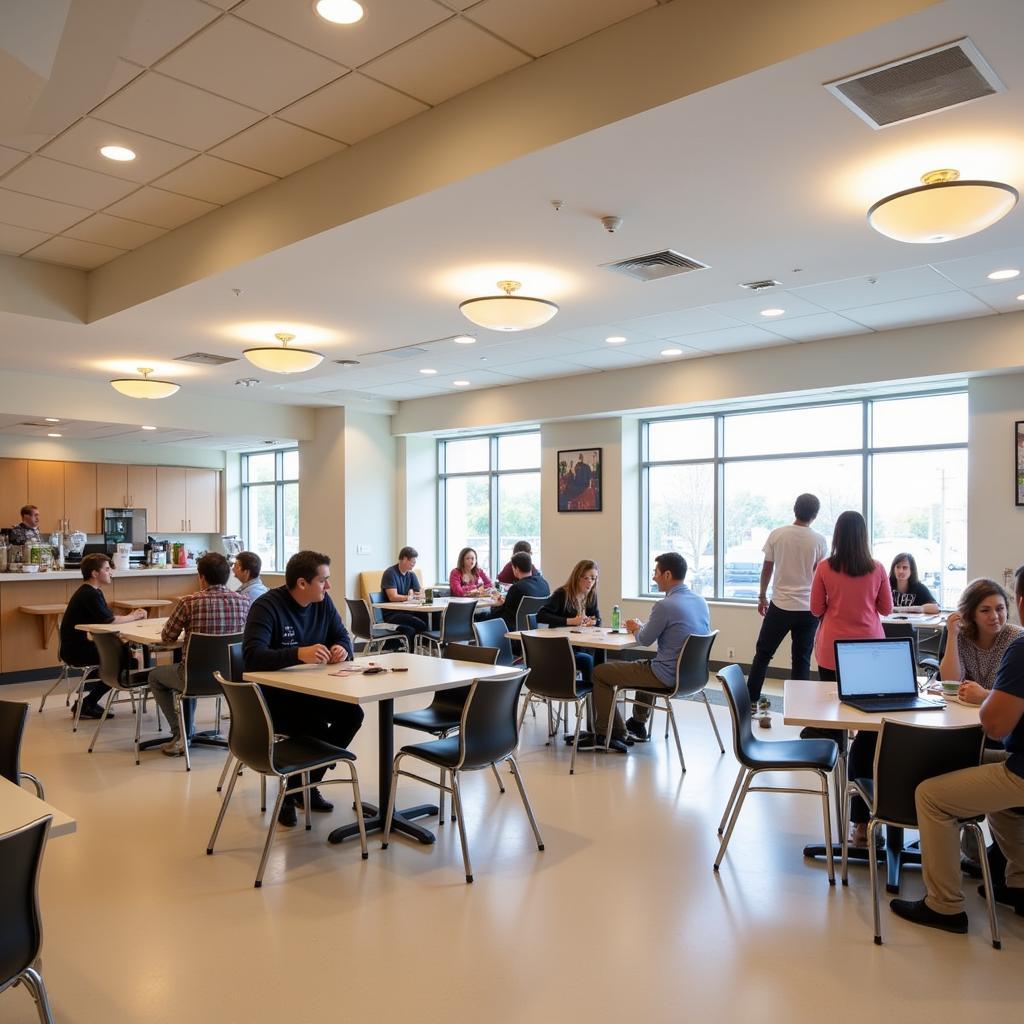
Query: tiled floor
{"x": 620, "y": 917}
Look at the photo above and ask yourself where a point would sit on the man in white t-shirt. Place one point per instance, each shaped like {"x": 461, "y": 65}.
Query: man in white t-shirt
{"x": 791, "y": 554}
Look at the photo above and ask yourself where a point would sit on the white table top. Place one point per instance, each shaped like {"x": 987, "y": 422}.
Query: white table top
{"x": 917, "y": 620}
{"x": 18, "y": 807}
{"x": 439, "y": 605}
{"x": 423, "y": 675}
{"x": 808, "y": 702}
{"x": 596, "y": 637}
{"x": 148, "y": 628}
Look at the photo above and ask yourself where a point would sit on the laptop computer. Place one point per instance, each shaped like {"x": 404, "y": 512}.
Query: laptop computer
{"x": 880, "y": 675}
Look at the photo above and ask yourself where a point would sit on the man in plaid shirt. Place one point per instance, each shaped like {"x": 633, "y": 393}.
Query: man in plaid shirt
{"x": 212, "y": 609}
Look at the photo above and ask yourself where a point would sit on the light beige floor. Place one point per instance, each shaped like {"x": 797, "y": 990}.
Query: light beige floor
{"x": 620, "y": 918}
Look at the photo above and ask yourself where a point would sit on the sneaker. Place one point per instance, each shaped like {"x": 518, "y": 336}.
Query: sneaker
{"x": 175, "y": 748}
{"x": 636, "y": 729}
{"x": 287, "y": 816}
{"x": 918, "y": 912}
{"x": 316, "y": 802}
{"x": 592, "y": 741}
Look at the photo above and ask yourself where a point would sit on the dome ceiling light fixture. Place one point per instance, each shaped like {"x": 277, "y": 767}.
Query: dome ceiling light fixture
{"x": 283, "y": 359}
{"x": 133, "y": 387}
{"x": 942, "y": 208}
{"x": 508, "y": 312}
{"x": 339, "y": 12}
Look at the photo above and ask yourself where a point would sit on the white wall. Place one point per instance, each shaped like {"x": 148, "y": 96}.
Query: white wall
{"x": 416, "y": 523}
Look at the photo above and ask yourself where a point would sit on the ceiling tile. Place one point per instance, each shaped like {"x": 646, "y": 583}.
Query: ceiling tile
{"x": 732, "y": 339}
{"x": 539, "y": 26}
{"x": 114, "y": 231}
{"x": 50, "y": 179}
{"x": 610, "y": 357}
{"x": 537, "y": 369}
{"x": 122, "y": 74}
{"x": 160, "y": 26}
{"x": 476, "y": 378}
{"x": 159, "y": 208}
{"x": 524, "y": 349}
{"x": 927, "y": 310}
{"x": 10, "y": 158}
{"x": 277, "y": 147}
{"x": 72, "y": 253}
{"x": 875, "y": 289}
{"x": 446, "y": 61}
{"x": 175, "y": 111}
{"x": 407, "y": 390}
{"x": 80, "y": 145}
{"x": 351, "y": 109}
{"x": 749, "y": 310}
{"x": 15, "y": 241}
{"x": 1004, "y": 296}
{"x": 651, "y": 350}
{"x": 24, "y": 211}
{"x": 680, "y": 322}
{"x": 385, "y": 26}
{"x": 213, "y": 180}
{"x": 818, "y": 325}
{"x": 596, "y": 335}
{"x": 235, "y": 59}
{"x": 973, "y": 271}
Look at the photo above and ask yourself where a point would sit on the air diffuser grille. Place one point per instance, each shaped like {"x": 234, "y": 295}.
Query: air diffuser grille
{"x": 656, "y": 265}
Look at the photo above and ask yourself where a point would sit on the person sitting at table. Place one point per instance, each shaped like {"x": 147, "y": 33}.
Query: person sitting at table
{"x": 246, "y": 570}
{"x": 528, "y": 583}
{"x": 400, "y": 584}
{"x": 211, "y": 609}
{"x": 978, "y": 636}
{"x": 849, "y": 593}
{"x": 908, "y": 592}
{"x": 574, "y": 603}
{"x": 678, "y": 614}
{"x": 299, "y": 624}
{"x": 467, "y": 579}
{"x": 27, "y": 531}
{"x": 88, "y": 605}
{"x": 994, "y": 788}
{"x": 506, "y": 575}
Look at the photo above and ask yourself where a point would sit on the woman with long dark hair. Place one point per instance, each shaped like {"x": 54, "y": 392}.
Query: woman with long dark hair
{"x": 574, "y": 603}
{"x": 467, "y": 579}
{"x": 909, "y": 594}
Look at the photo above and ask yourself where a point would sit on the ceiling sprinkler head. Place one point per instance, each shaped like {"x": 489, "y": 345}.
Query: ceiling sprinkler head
{"x": 611, "y": 224}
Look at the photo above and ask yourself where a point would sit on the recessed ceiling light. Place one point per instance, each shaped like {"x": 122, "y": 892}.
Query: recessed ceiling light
{"x": 464, "y": 339}
{"x": 615, "y": 339}
{"x": 671, "y": 351}
{"x": 1003, "y": 275}
{"x": 460, "y": 383}
{"x": 52, "y": 419}
{"x": 121, "y": 154}
{"x": 339, "y": 12}
{"x": 426, "y": 371}
{"x": 54, "y": 435}
{"x": 774, "y": 311}
{"x": 148, "y": 428}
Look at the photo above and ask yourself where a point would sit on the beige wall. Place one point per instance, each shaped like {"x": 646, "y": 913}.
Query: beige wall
{"x": 322, "y": 493}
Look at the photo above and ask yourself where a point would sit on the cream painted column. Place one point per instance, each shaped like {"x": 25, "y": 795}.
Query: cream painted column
{"x": 322, "y": 493}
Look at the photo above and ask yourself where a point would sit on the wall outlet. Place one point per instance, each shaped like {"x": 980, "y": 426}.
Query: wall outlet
{"x": 362, "y": 549}
{"x": 732, "y": 653}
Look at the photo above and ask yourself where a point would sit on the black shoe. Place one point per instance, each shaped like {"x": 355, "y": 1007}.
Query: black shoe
{"x": 918, "y": 912}
{"x": 636, "y": 729}
{"x": 592, "y": 741}
{"x": 1008, "y": 895}
{"x": 586, "y": 739}
{"x": 620, "y": 746}
{"x": 316, "y": 802}
{"x": 287, "y": 816}
{"x": 90, "y": 710}
{"x": 970, "y": 867}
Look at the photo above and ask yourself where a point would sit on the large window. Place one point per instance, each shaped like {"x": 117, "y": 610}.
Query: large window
{"x": 715, "y": 485}
{"x": 270, "y": 506}
{"x": 489, "y": 494}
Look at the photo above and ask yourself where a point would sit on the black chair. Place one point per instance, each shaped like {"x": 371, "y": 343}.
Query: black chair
{"x": 456, "y": 626}
{"x": 494, "y": 633}
{"x": 21, "y": 927}
{"x": 529, "y": 606}
{"x": 252, "y": 742}
{"x": 13, "y": 716}
{"x": 488, "y": 735}
{"x": 236, "y": 667}
{"x": 759, "y": 756}
{"x": 554, "y": 679}
{"x": 906, "y": 631}
{"x": 905, "y": 756}
{"x": 374, "y": 638}
{"x": 377, "y": 597}
{"x": 124, "y": 681}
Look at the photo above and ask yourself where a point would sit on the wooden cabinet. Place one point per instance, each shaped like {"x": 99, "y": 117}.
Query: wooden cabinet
{"x": 171, "y": 499}
{"x": 46, "y": 491}
{"x": 81, "y": 509}
{"x": 13, "y": 490}
{"x": 111, "y": 486}
{"x": 202, "y": 501}
{"x": 142, "y": 489}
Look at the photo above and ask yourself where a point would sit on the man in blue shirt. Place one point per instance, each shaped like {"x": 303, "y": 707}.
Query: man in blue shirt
{"x": 995, "y": 789}
{"x": 400, "y": 584}
{"x": 678, "y": 614}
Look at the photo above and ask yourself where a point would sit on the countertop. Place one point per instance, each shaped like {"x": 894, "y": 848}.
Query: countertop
{"x": 75, "y": 574}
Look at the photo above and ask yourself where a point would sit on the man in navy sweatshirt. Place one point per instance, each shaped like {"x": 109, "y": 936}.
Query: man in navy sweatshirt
{"x": 298, "y": 624}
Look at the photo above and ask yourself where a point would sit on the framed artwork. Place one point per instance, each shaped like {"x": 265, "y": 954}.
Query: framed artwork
{"x": 1018, "y": 464}
{"x": 579, "y": 480}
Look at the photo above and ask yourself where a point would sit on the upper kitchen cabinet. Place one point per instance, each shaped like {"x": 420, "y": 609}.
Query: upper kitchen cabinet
{"x": 81, "y": 507}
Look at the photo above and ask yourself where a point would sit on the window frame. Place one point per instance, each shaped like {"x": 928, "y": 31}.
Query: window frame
{"x": 278, "y": 483}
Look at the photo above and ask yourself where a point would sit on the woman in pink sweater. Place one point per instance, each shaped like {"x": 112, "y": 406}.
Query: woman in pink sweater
{"x": 849, "y": 593}
{"x": 467, "y": 579}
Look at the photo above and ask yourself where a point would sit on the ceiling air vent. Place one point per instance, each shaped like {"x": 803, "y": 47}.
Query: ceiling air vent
{"x": 916, "y": 86}
{"x": 205, "y": 359}
{"x": 759, "y": 286}
{"x": 656, "y": 265}
{"x": 405, "y": 353}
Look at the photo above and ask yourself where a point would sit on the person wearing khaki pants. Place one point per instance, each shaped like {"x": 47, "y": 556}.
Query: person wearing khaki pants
{"x": 995, "y": 789}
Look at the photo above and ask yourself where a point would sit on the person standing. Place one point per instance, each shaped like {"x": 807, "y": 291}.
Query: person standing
{"x": 246, "y": 570}
{"x": 27, "y": 531}
{"x": 791, "y": 554}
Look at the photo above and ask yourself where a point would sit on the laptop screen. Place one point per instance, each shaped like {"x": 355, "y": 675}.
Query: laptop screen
{"x": 875, "y": 667}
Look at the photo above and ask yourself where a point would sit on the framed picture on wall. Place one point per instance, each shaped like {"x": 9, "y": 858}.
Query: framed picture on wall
{"x": 1018, "y": 460}
{"x": 579, "y": 480}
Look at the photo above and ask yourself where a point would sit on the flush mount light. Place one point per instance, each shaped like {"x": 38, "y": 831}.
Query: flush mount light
{"x": 133, "y": 387}
{"x": 54, "y": 435}
{"x": 460, "y": 383}
{"x": 52, "y": 419}
{"x": 339, "y": 12}
{"x": 671, "y": 351}
{"x": 942, "y": 208}
{"x": 775, "y": 311}
{"x": 464, "y": 339}
{"x": 122, "y": 154}
{"x": 1003, "y": 275}
{"x": 1020, "y": 298}
{"x": 148, "y": 428}
{"x": 283, "y": 359}
{"x": 616, "y": 339}
{"x": 508, "y": 312}
{"x": 427, "y": 372}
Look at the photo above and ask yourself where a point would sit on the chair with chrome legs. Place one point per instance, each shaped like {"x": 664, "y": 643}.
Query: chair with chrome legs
{"x": 373, "y": 638}
{"x": 13, "y": 715}
{"x": 21, "y": 927}
{"x": 488, "y": 735}
{"x": 494, "y": 633}
{"x": 456, "y": 627}
{"x": 253, "y": 744}
{"x": 905, "y": 756}
{"x": 529, "y": 606}
{"x": 88, "y": 673}
{"x": 759, "y": 756}
{"x": 117, "y": 672}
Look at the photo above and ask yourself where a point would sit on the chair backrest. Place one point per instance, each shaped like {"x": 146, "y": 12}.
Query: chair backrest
{"x": 359, "y": 616}
{"x": 552, "y": 666}
{"x": 115, "y": 661}
{"x": 529, "y": 606}
{"x": 531, "y": 621}
{"x": 208, "y": 654}
{"x": 489, "y": 730}
{"x": 692, "y": 663}
{"x": 734, "y": 686}
{"x": 236, "y": 659}
{"x": 376, "y": 597}
{"x": 13, "y": 715}
{"x": 494, "y": 633}
{"x": 471, "y": 652}
{"x": 901, "y": 631}
{"x": 908, "y": 754}
{"x": 457, "y": 621}
{"x": 21, "y": 928}
{"x": 251, "y": 736}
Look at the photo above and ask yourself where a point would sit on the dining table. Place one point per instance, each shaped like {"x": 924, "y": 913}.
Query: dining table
{"x": 19, "y": 807}
{"x": 598, "y": 638}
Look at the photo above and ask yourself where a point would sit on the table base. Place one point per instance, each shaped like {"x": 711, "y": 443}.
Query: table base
{"x": 373, "y": 821}
{"x": 201, "y": 739}
{"x": 894, "y": 853}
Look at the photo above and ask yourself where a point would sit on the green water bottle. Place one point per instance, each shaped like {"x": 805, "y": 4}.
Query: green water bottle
{"x": 428, "y": 595}
{"x": 616, "y": 618}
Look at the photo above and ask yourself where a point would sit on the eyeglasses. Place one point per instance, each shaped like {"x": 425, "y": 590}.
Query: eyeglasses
{"x": 594, "y": 578}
